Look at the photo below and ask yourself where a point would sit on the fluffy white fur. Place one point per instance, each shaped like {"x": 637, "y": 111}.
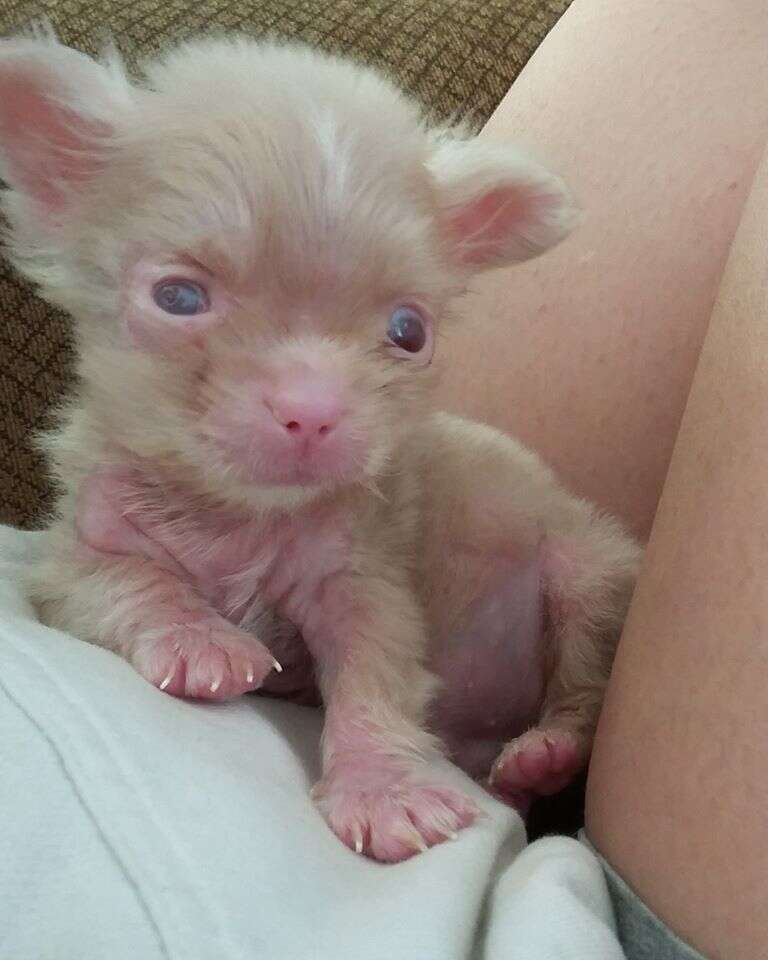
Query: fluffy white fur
{"x": 191, "y": 537}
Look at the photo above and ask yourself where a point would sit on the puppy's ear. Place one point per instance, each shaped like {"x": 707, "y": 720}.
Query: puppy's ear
{"x": 497, "y": 206}
{"x": 58, "y": 110}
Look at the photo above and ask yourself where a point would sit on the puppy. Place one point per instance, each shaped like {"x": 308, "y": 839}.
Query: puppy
{"x": 259, "y": 244}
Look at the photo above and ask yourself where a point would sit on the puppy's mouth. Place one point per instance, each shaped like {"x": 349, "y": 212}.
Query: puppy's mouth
{"x": 305, "y": 472}
{"x": 266, "y": 461}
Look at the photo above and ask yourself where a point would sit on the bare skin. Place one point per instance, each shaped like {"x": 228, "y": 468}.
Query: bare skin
{"x": 591, "y": 362}
{"x": 682, "y": 813}
{"x": 587, "y": 355}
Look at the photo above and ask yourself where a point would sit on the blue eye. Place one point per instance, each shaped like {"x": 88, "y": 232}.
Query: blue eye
{"x": 182, "y": 298}
{"x": 407, "y": 329}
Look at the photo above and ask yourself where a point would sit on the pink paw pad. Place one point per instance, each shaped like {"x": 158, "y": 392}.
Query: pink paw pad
{"x": 542, "y": 762}
{"x": 203, "y": 659}
{"x": 395, "y": 822}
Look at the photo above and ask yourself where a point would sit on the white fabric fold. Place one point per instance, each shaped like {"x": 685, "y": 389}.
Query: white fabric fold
{"x": 134, "y": 825}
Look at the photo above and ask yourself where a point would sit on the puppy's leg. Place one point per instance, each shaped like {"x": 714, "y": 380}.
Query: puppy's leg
{"x": 105, "y": 581}
{"x": 153, "y": 620}
{"x": 589, "y": 569}
{"x": 491, "y": 499}
{"x": 379, "y": 792}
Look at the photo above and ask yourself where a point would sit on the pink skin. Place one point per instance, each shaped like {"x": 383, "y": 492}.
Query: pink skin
{"x": 539, "y": 761}
{"x": 201, "y": 656}
{"x": 379, "y": 805}
{"x": 483, "y": 228}
{"x": 393, "y": 818}
{"x": 492, "y": 688}
{"x": 27, "y": 109}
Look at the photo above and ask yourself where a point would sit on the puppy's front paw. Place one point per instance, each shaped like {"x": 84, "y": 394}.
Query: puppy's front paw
{"x": 204, "y": 658}
{"x": 394, "y": 819}
{"x": 540, "y": 761}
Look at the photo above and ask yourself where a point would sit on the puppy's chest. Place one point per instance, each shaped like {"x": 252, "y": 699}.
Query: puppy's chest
{"x": 244, "y": 565}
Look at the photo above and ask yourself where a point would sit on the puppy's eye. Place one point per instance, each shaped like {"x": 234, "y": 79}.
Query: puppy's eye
{"x": 407, "y": 329}
{"x": 182, "y": 298}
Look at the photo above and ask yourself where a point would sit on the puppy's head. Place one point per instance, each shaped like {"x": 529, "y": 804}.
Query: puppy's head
{"x": 257, "y": 242}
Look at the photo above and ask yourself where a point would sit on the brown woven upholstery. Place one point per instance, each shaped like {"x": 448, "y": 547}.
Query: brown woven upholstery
{"x": 458, "y": 56}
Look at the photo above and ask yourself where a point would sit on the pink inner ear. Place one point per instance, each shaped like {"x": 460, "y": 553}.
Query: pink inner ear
{"x": 46, "y": 145}
{"x": 482, "y": 227}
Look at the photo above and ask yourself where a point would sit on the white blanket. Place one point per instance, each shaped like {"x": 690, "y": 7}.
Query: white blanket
{"x": 134, "y": 826}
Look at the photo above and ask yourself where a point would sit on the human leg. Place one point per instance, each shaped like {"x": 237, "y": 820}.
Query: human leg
{"x": 655, "y": 113}
{"x": 676, "y": 796}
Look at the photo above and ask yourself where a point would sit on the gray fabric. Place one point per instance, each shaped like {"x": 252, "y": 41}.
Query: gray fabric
{"x": 642, "y": 935}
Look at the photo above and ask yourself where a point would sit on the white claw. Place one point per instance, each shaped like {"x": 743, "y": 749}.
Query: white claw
{"x": 358, "y": 837}
{"x": 453, "y": 835}
{"x": 277, "y": 666}
{"x": 249, "y": 675}
{"x": 419, "y": 844}
{"x": 413, "y": 839}
{"x": 167, "y": 680}
{"x": 215, "y": 685}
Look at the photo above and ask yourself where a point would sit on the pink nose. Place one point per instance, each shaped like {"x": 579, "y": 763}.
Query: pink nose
{"x": 307, "y": 414}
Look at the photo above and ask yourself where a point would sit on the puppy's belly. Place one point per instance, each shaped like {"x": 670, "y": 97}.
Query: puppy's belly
{"x": 491, "y": 664}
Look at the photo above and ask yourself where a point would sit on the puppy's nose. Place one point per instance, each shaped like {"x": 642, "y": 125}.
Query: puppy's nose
{"x": 309, "y": 414}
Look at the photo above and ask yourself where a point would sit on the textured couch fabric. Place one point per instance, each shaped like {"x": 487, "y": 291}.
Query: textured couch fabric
{"x": 458, "y": 57}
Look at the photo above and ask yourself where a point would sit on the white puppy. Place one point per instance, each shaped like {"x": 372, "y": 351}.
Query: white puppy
{"x": 258, "y": 244}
